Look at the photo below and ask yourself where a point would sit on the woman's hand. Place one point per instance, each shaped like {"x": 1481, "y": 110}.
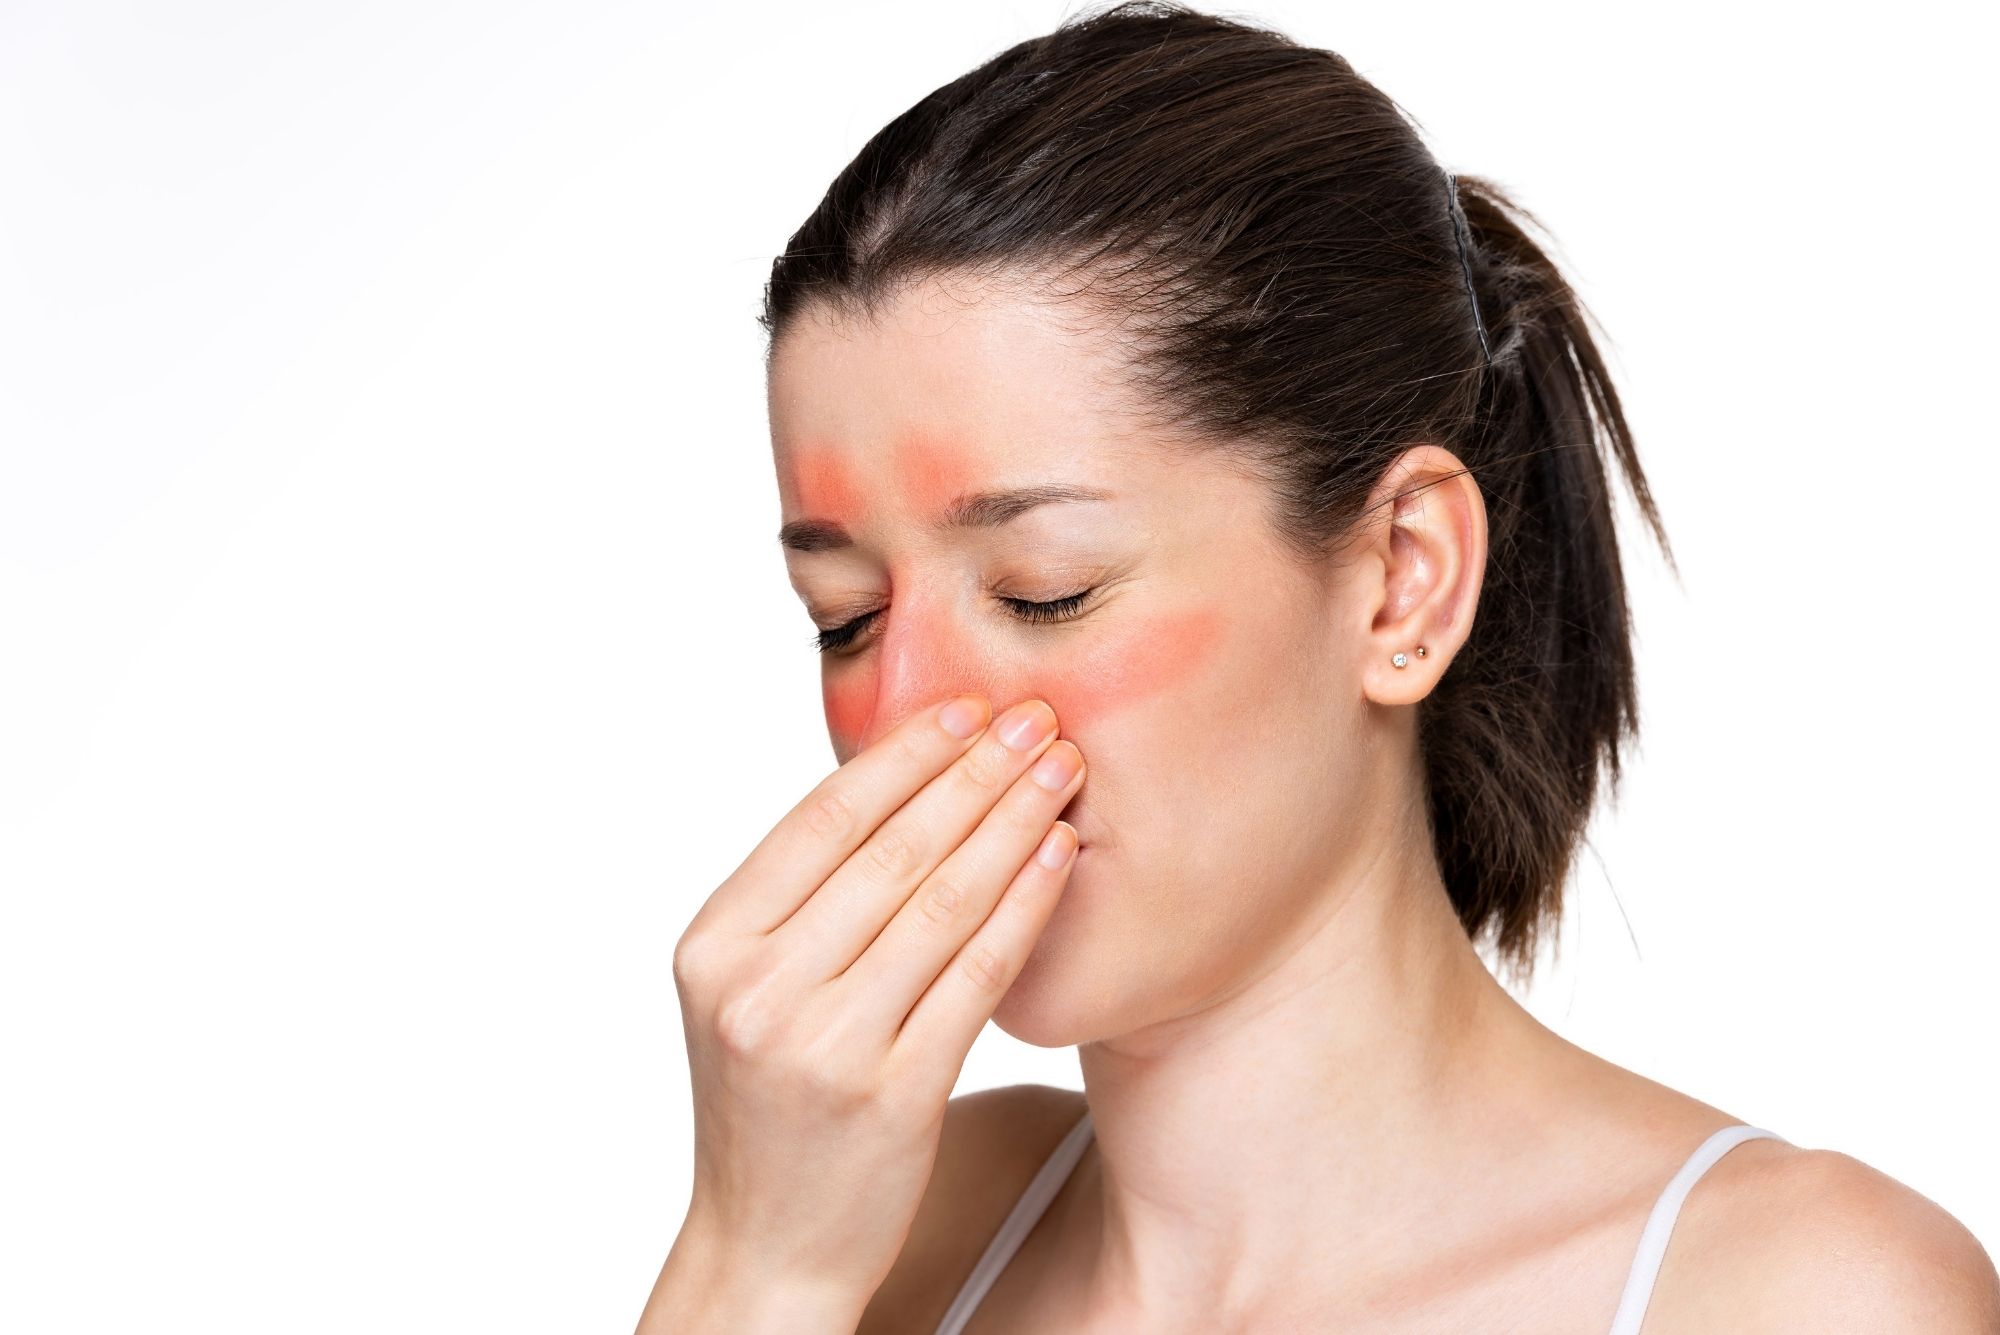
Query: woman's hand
{"x": 833, "y": 984}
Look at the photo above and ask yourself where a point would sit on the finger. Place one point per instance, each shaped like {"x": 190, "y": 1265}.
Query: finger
{"x": 941, "y": 1028}
{"x": 829, "y": 932}
{"x": 954, "y": 901}
{"x": 817, "y": 835}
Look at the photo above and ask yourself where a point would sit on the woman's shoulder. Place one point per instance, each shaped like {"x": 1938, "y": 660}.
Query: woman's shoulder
{"x": 992, "y": 1142}
{"x": 1776, "y": 1236}
{"x": 1784, "y": 1238}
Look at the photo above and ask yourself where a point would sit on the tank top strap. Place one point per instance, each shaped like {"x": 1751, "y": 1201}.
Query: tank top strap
{"x": 1020, "y": 1221}
{"x": 1660, "y": 1224}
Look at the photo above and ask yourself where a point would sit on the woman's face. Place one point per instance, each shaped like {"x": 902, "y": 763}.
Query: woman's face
{"x": 1210, "y": 678}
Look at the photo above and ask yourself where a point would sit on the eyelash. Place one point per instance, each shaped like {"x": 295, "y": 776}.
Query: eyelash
{"x": 1056, "y": 609}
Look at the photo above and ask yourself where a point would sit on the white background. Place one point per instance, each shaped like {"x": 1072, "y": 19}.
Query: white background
{"x": 394, "y": 650}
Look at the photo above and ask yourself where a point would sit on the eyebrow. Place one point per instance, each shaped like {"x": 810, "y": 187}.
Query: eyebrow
{"x": 979, "y": 509}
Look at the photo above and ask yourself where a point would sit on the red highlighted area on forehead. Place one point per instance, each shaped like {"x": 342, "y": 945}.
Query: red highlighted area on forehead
{"x": 931, "y": 473}
{"x": 928, "y": 474}
{"x": 1141, "y": 660}
{"x": 826, "y": 486}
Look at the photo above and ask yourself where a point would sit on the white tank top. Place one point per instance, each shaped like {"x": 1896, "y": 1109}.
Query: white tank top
{"x": 1056, "y": 1169}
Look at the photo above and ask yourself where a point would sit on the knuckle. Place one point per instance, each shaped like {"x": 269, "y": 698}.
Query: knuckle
{"x": 1026, "y": 814}
{"x": 985, "y": 967}
{"x": 834, "y": 1073}
{"x": 830, "y": 815}
{"x": 746, "y": 1026}
{"x": 942, "y": 901}
{"x": 908, "y": 747}
{"x": 893, "y": 853}
{"x": 986, "y": 768}
{"x": 694, "y": 962}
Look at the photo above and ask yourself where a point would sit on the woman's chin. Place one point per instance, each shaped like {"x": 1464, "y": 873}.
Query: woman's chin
{"x": 1037, "y": 991}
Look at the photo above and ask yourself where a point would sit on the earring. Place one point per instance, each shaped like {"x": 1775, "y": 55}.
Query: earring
{"x": 1402, "y": 660}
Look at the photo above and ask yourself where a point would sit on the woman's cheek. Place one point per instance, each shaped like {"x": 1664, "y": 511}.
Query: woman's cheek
{"x": 1143, "y": 660}
{"x": 849, "y": 702}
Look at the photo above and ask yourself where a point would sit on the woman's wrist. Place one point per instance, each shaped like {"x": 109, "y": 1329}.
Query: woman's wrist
{"x": 706, "y": 1289}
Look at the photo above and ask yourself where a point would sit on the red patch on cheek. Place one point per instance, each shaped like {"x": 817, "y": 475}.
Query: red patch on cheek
{"x": 1146, "y": 660}
{"x": 849, "y": 702}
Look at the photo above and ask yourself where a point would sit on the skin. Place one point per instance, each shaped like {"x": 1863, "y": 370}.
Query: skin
{"x": 1313, "y": 1101}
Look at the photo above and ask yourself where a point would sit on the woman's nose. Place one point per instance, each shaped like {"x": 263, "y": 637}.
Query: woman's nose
{"x": 922, "y": 659}
{"x": 905, "y": 684}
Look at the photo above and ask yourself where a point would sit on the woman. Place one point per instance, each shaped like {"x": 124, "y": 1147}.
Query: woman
{"x": 1152, "y": 385}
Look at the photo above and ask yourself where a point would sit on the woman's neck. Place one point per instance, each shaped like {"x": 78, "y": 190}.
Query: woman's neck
{"x": 1321, "y": 1115}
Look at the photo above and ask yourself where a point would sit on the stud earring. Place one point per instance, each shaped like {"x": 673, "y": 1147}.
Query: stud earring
{"x": 1402, "y": 660}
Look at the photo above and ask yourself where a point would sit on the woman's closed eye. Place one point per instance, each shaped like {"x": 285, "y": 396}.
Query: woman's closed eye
{"x": 1056, "y": 609}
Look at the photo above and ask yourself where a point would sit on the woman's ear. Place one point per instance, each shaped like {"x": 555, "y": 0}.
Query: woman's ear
{"x": 1429, "y": 546}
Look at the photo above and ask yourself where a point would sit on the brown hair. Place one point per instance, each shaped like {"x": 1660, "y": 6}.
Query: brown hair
{"x": 1270, "y": 225}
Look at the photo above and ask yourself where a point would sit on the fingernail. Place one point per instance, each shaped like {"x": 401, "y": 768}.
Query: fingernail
{"x": 1026, "y": 724}
{"x": 964, "y": 716}
{"x": 1057, "y": 847}
{"x": 1057, "y": 767}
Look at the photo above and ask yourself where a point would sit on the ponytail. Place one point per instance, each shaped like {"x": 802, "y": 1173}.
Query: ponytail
{"x": 1544, "y": 691}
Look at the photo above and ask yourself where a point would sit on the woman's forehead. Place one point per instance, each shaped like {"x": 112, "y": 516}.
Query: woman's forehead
{"x": 948, "y": 398}
{"x": 948, "y": 385}
{"x": 925, "y": 482}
